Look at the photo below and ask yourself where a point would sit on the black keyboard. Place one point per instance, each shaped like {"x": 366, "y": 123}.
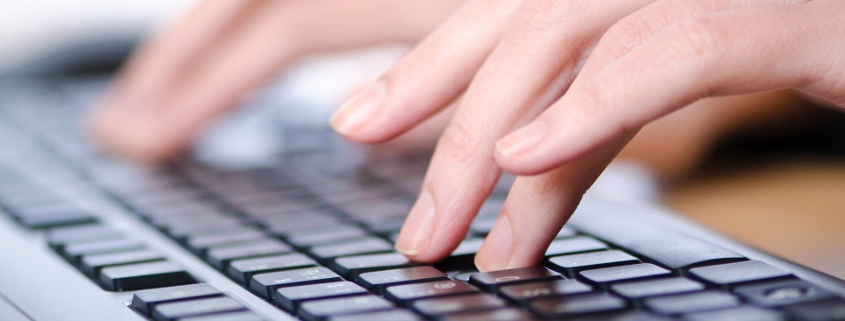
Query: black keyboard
{"x": 313, "y": 236}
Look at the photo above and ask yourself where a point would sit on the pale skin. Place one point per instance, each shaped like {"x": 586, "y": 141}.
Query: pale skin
{"x": 549, "y": 90}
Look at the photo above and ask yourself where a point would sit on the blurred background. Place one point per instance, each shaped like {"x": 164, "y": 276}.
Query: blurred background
{"x": 779, "y": 187}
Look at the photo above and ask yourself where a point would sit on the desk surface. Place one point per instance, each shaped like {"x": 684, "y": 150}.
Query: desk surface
{"x": 794, "y": 209}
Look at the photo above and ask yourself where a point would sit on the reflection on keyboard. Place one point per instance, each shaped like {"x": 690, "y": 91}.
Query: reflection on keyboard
{"x": 314, "y": 236}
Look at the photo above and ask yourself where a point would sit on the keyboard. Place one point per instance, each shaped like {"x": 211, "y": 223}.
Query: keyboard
{"x": 310, "y": 237}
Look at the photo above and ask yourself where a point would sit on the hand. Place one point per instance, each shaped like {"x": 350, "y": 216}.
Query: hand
{"x": 552, "y": 90}
{"x": 197, "y": 69}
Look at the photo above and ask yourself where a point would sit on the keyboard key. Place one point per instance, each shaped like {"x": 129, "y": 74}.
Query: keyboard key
{"x": 461, "y": 303}
{"x": 352, "y": 247}
{"x": 782, "y": 293}
{"x": 507, "y": 314}
{"x": 665, "y": 247}
{"x": 324, "y": 235}
{"x": 744, "y": 313}
{"x": 623, "y": 316}
{"x": 144, "y": 276}
{"x": 379, "y": 280}
{"x": 818, "y": 311}
{"x": 58, "y": 237}
{"x": 199, "y": 243}
{"x": 389, "y": 315}
{"x": 575, "y": 262}
{"x": 489, "y": 281}
{"x": 317, "y": 310}
{"x": 574, "y": 245}
{"x": 533, "y": 290}
{"x": 145, "y": 300}
{"x": 622, "y": 273}
{"x": 289, "y": 298}
{"x": 576, "y": 305}
{"x": 74, "y": 251}
{"x": 192, "y": 308}
{"x": 427, "y": 290}
{"x": 351, "y": 266}
{"x": 242, "y": 270}
{"x": 220, "y": 256}
{"x": 266, "y": 283}
{"x": 92, "y": 264}
{"x": 692, "y": 302}
{"x": 229, "y": 316}
{"x": 739, "y": 272}
{"x": 56, "y": 218}
{"x": 642, "y": 289}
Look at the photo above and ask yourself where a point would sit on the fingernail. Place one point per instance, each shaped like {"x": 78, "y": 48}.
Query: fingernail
{"x": 521, "y": 141}
{"x": 499, "y": 245}
{"x": 359, "y": 109}
{"x": 418, "y": 228}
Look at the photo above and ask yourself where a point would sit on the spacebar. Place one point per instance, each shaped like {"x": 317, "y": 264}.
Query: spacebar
{"x": 664, "y": 247}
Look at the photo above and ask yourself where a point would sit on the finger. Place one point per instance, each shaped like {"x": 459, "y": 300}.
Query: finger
{"x": 273, "y": 36}
{"x": 428, "y": 78}
{"x": 170, "y": 52}
{"x": 507, "y": 90}
{"x": 536, "y": 209}
{"x": 725, "y": 53}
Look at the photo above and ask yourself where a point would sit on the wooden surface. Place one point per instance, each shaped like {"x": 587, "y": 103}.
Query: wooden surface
{"x": 793, "y": 208}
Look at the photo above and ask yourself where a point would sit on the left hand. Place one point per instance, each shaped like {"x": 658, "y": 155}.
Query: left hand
{"x": 579, "y": 78}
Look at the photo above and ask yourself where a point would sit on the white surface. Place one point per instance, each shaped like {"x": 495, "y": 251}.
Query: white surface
{"x": 29, "y": 28}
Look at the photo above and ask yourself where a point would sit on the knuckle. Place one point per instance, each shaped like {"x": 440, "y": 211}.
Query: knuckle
{"x": 625, "y": 35}
{"x": 543, "y": 14}
{"x": 700, "y": 37}
{"x": 460, "y": 142}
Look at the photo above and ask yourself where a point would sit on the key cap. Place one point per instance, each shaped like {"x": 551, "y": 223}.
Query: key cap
{"x": 144, "y": 276}
{"x": 692, "y": 302}
{"x": 573, "y": 263}
{"x": 220, "y": 256}
{"x": 379, "y": 280}
{"x": 622, "y": 273}
{"x": 389, "y": 315}
{"x": 242, "y": 270}
{"x": 229, "y": 316}
{"x": 570, "y": 306}
{"x": 461, "y": 303}
{"x": 642, "y": 289}
{"x": 317, "y": 310}
{"x": 782, "y": 293}
{"x": 322, "y": 236}
{"x": 818, "y": 311}
{"x": 74, "y": 251}
{"x": 668, "y": 248}
{"x": 574, "y": 245}
{"x": 623, "y": 316}
{"x": 92, "y": 264}
{"x": 192, "y": 308}
{"x": 199, "y": 243}
{"x": 266, "y": 283}
{"x": 56, "y": 219}
{"x": 352, "y": 247}
{"x": 58, "y": 237}
{"x": 427, "y": 290}
{"x": 351, "y": 266}
{"x": 490, "y": 281}
{"x": 747, "y": 312}
{"x": 144, "y": 301}
{"x": 289, "y": 298}
{"x": 739, "y": 272}
{"x": 507, "y": 314}
{"x": 528, "y": 291}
